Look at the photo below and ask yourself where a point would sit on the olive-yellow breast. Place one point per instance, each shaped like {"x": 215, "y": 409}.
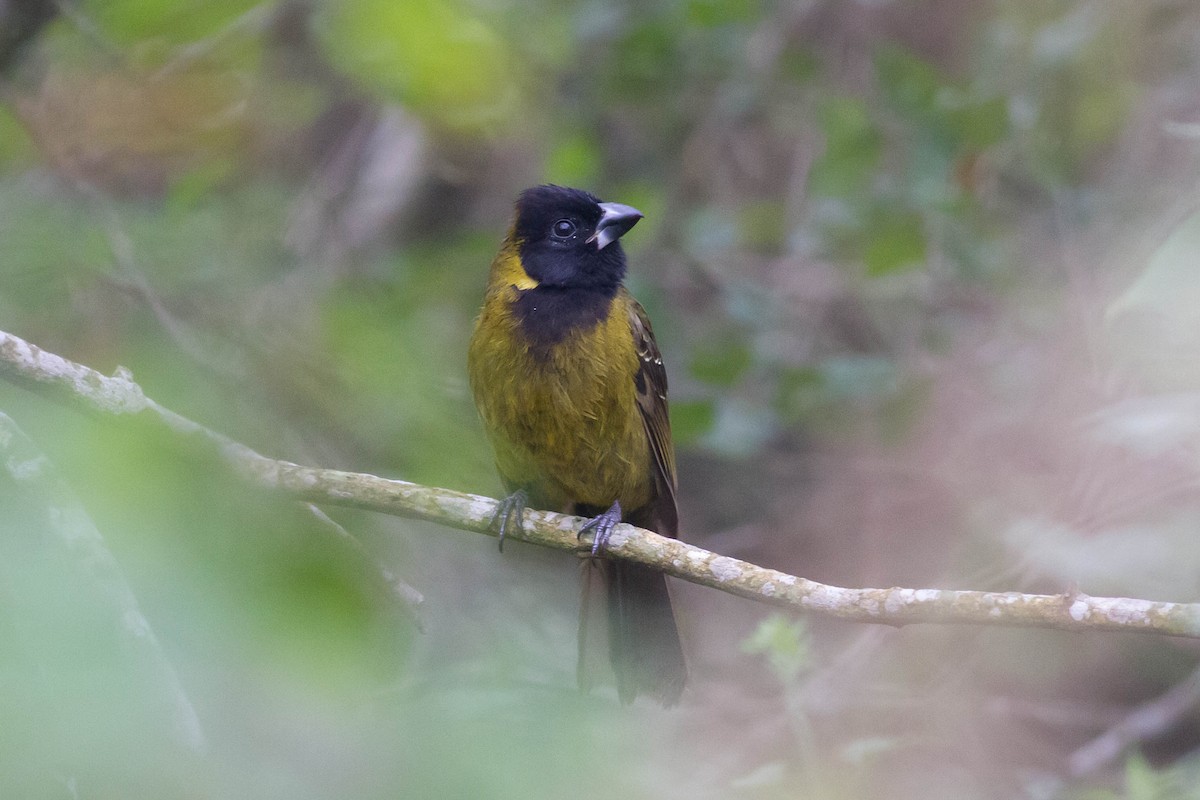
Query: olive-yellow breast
{"x": 561, "y": 414}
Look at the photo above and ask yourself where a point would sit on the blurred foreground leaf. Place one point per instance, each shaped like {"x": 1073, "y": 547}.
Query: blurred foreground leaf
{"x": 784, "y": 642}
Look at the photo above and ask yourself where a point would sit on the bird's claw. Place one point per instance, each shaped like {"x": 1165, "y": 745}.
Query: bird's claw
{"x": 603, "y": 526}
{"x": 510, "y": 507}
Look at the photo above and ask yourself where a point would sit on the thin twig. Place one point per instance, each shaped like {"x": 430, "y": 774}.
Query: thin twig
{"x": 78, "y": 543}
{"x": 407, "y": 596}
{"x": 1148, "y": 720}
{"x": 85, "y": 389}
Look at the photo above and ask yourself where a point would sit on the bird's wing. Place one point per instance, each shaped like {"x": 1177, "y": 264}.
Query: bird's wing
{"x": 651, "y": 385}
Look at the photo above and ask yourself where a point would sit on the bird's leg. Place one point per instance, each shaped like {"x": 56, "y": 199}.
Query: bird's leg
{"x": 603, "y": 525}
{"x": 511, "y": 508}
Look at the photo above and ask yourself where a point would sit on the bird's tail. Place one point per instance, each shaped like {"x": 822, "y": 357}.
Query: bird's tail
{"x": 644, "y": 645}
{"x": 643, "y": 639}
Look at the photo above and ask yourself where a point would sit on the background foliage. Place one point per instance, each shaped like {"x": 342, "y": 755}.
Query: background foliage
{"x": 925, "y": 277}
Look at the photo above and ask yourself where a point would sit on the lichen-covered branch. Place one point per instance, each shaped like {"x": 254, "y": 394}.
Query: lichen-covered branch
{"x": 35, "y": 369}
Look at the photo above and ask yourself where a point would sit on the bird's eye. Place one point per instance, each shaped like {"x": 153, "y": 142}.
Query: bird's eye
{"x": 563, "y": 229}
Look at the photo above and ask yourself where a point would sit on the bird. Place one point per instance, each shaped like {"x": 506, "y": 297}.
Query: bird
{"x": 572, "y": 392}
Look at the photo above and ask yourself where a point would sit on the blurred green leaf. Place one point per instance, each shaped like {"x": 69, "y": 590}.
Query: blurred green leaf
{"x": 721, "y": 362}
{"x": 895, "y": 243}
{"x": 852, "y": 148}
{"x": 799, "y": 63}
{"x": 1141, "y": 783}
{"x": 574, "y": 161}
{"x": 196, "y": 185}
{"x": 393, "y": 358}
{"x": 980, "y": 124}
{"x": 785, "y": 643}
{"x": 691, "y": 419}
{"x": 710, "y": 13}
{"x": 1101, "y": 113}
{"x": 799, "y": 392}
{"x": 49, "y": 245}
{"x": 438, "y": 58}
{"x": 939, "y": 109}
{"x": 170, "y": 22}
{"x": 645, "y": 58}
{"x": 808, "y": 395}
{"x": 15, "y": 144}
{"x": 908, "y": 82}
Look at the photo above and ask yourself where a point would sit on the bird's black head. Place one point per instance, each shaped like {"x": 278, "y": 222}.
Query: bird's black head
{"x": 568, "y": 238}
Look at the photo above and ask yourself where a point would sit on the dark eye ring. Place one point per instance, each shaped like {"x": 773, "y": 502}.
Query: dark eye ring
{"x": 563, "y": 229}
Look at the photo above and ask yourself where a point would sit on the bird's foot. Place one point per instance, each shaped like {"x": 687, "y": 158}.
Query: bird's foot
{"x": 603, "y": 526}
{"x": 511, "y": 511}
